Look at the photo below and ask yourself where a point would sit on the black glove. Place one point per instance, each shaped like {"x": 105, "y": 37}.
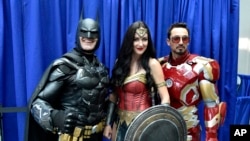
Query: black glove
{"x": 66, "y": 121}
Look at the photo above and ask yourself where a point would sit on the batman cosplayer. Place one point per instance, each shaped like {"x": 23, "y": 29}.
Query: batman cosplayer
{"x": 68, "y": 104}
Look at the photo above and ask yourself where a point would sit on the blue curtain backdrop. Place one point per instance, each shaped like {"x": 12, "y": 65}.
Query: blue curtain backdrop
{"x": 35, "y": 32}
{"x": 244, "y": 87}
{"x": 242, "y": 109}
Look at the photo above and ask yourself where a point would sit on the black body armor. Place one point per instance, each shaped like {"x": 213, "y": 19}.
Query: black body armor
{"x": 79, "y": 87}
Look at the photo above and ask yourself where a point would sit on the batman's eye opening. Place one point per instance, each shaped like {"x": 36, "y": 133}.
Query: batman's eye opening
{"x": 94, "y": 32}
{"x": 83, "y": 31}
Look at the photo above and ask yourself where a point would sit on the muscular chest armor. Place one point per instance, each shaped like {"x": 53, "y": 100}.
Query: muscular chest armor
{"x": 92, "y": 82}
{"x": 182, "y": 82}
{"x": 86, "y": 89}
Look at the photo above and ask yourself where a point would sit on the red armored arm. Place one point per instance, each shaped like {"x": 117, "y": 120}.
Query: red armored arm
{"x": 214, "y": 112}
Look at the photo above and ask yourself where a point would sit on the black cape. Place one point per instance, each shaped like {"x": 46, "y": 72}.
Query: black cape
{"x": 33, "y": 131}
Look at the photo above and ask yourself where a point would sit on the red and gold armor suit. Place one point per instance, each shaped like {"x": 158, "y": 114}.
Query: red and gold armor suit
{"x": 191, "y": 79}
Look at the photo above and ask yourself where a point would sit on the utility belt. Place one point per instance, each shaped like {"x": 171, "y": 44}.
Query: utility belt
{"x": 81, "y": 133}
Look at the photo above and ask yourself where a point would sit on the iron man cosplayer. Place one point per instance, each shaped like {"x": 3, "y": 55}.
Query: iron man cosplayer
{"x": 191, "y": 78}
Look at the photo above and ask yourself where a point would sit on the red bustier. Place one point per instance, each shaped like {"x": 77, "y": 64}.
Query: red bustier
{"x": 134, "y": 96}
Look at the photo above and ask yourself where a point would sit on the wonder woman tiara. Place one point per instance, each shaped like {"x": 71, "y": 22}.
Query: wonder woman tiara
{"x": 141, "y": 31}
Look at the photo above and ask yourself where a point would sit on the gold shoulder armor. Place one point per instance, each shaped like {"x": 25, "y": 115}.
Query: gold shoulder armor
{"x": 210, "y": 67}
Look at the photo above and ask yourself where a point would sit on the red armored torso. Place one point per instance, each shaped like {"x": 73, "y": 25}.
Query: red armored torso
{"x": 182, "y": 82}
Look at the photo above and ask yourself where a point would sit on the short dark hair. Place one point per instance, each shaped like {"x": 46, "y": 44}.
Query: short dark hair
{"x": 177, "y": 25}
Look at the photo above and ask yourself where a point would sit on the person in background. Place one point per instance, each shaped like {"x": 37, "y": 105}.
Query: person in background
{"x": 68, "y": 104}
{"x": 191, "y": 78}
{"x": 136, "y": 74}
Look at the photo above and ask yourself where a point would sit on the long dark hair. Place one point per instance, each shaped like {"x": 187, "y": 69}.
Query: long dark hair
{"x": 122, "y": 66}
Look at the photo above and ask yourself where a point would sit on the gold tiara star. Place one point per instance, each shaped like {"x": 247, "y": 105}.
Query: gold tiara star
{"x": 141, "y": 31}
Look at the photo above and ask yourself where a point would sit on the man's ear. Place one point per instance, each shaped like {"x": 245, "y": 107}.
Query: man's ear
{"x": 168, "y": 41}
